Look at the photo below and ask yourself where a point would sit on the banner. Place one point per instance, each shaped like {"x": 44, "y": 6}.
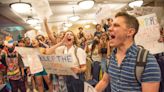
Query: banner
{"x": 149, "y": 34}
{"x": 57, "y": 64}
{"x": 30, "y": 58}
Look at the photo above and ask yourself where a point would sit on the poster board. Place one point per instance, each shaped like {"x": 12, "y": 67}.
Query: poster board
{"x": 149, "y": 34}
{"x": 2, "y": 86}
{"x": 88, "y": 88}
{"x": 57, "y": 64}
{"x": 30, "y": 58}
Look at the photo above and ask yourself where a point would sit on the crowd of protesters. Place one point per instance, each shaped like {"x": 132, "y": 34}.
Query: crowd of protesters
{"x": 91, "y": 60}
{"x": 92, "y": 48}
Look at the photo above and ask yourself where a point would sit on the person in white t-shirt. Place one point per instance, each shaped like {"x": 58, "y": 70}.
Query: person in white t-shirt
{"x": 67, "y": 46}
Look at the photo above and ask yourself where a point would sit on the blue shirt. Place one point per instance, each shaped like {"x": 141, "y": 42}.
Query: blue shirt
{"x": 122, "y": 78}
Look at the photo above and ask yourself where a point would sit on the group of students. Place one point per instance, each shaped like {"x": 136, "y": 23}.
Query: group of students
{"x": 64, "y": 43}
{"x": 115, "y": 45}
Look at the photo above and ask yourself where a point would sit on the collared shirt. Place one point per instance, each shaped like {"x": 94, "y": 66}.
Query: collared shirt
{"x": 123, "y": 77}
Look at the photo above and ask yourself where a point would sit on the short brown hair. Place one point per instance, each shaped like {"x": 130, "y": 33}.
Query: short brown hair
{"x": 80, "y": 28}
{"x": 130, "y": 20}
{"x": 109, "y": 19}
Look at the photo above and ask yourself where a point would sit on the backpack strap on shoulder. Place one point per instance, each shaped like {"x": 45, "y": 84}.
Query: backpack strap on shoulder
{"x": 140, "y": 63}
{"x": 75, "y": 52}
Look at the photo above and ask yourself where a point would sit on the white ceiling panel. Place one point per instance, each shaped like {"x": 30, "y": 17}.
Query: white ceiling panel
{"x": 62, "y": 9}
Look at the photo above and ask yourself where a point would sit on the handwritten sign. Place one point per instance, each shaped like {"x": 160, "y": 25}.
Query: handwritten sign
{"x": 149, "y": 34}
{"x": 30, "y": 59}
{"x": 57, "y": 64}
{"x": 2, "y": 86}
{"x": 88, "y": 88}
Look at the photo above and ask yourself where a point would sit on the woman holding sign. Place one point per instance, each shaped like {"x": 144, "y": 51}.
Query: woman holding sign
{"x": 68, "y": 46}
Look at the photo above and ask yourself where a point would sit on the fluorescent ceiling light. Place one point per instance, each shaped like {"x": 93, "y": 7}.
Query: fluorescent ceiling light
{"x": 137, "y": 3}
{"x": 86, "y": 4}
{"x": 20, "y": 7}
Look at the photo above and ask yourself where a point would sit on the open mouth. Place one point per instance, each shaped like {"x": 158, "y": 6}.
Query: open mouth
{"x": 112, "y": 37}
{"x": 69, "y": 39}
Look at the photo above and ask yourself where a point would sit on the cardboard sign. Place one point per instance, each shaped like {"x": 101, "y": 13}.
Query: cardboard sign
{"x": 30, "y": 59}
{"x": 88, "y": 88}
{"x": 57, "y": 64}
{"x": 149, "y": 34}
{"x": 2, "y": 86}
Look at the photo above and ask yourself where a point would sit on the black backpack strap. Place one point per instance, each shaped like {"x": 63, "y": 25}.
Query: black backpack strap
{"x": 140, "y": 63}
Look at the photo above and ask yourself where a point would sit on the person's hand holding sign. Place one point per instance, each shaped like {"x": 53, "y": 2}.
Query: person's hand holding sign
{"x": 76, "y": 70}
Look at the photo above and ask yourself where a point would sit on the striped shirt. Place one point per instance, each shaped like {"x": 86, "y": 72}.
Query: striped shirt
{"x": 123, "y": 77}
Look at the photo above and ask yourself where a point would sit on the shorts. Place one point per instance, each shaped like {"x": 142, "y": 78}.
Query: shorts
{"x": 42, "y": 73}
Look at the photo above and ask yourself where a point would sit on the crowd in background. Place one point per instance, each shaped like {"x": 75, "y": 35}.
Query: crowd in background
{"x": 17, "y": 76}
{"x": 96, "y": 49}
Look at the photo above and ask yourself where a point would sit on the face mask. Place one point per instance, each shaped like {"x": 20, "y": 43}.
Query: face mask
{"x": 10, "y": 50}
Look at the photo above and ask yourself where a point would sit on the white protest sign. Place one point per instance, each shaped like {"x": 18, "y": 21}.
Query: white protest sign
{"x": 149, "y": 34}
{"x": 2, "y": 86}
{"x": 23, "y": 52}
{"x": 57, "y": 64}
{"x": 30, "y": 59}
{"x": 88, "y": 88}
{"x": 42, "y": 8}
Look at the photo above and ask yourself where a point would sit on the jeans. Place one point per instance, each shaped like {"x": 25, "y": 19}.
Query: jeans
{"x": 15, "y": 84}
{"x": 74, "y": 85}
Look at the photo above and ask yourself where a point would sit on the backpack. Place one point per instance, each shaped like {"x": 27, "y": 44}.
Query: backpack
{"x": 87, "y": 73}
{"x": 81, "y": 75}
{"x": 140, "y": 63}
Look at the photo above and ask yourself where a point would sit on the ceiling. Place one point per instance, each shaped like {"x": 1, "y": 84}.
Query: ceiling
{"x": 58, "y": 10}
{"x": 10, "y": 22}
